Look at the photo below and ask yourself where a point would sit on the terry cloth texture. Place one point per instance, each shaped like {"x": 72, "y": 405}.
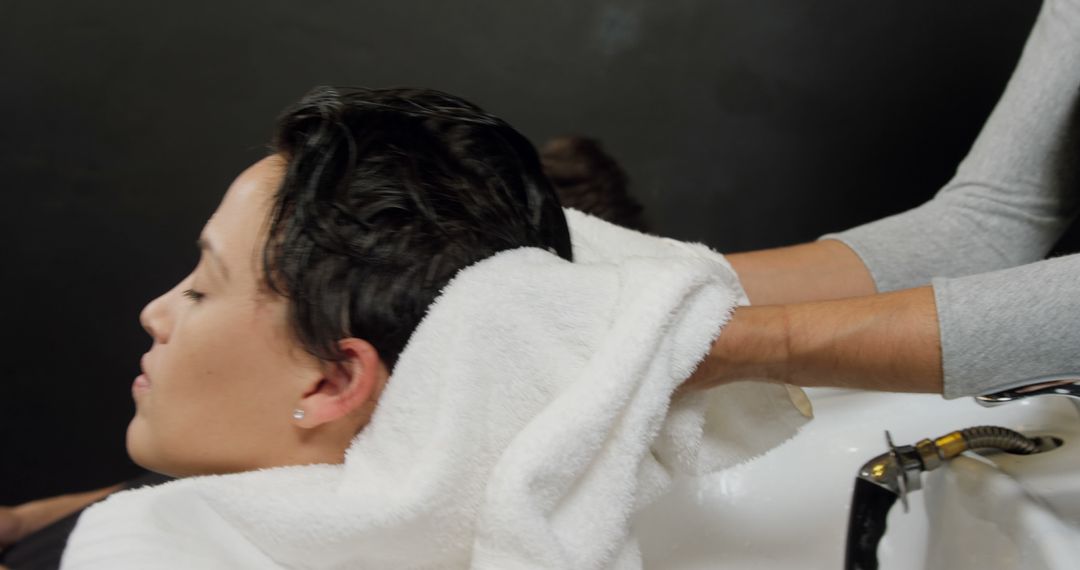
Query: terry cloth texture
{"x": 528, "y": 418}
{"x": 1011, "y": 199}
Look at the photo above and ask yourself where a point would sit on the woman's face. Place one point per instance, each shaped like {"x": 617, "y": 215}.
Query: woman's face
{"x": 224, "y": 374}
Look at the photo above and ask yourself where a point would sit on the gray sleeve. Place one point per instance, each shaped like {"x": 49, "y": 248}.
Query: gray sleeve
{"x": 1010, "y": 200}
{"x": 1014, "y": 194}
{"x": 1006, "y": 326}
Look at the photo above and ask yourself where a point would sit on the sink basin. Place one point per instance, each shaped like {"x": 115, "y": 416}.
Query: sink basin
{"x": 789, "y": 508}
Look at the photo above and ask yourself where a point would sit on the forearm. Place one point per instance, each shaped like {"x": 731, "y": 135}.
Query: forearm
{"x": 35, "y": 515}
{"x": 880, "y": 342}
{"x": 817, "y": 271}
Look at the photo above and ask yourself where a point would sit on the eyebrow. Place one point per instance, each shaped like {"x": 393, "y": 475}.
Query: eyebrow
{"x": 204, "y": 245}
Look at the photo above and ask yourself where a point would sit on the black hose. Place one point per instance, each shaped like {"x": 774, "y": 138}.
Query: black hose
{"x": 870, "y": 504}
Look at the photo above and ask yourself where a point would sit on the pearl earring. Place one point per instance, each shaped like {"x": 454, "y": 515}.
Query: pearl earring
{"x": 298, "y": 414}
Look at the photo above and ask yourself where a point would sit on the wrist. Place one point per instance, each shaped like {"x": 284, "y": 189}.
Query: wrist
{"x": 756, "y": 344}
{"x": 752, "y": 346}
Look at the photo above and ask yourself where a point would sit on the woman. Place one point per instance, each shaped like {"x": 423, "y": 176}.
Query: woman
{"x": 584, "y": 177}
{"x": 317, "y": 266}
{"x": 530, "y": 415}
{"x": 320, "y": 261}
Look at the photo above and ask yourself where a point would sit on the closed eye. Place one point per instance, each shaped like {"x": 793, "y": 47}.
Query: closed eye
{"x": 194, "y": 295}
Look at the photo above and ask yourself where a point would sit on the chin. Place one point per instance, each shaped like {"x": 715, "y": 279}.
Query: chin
{"x": 140, "y": 448}
{"x": 133, "y": 441}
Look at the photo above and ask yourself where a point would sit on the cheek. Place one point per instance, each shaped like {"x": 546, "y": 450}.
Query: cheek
{"x": 236, "y": 362}
{"x": 203, "y": 360}
{"x": 205, "y": 351}
{"x": 226, "y": 386}
{"x": 189, "y": 385}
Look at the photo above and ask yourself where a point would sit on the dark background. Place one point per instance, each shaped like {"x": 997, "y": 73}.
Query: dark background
{"x": 742, "y": 124}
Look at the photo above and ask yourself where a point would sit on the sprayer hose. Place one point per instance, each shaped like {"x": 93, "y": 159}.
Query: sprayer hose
{"x": 981, "y": 437}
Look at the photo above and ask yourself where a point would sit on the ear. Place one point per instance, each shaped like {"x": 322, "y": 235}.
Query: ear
{"x": 347, "y": 388}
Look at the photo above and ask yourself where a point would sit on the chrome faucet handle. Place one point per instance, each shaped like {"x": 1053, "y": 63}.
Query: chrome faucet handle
{"x": 1061, "y": 385}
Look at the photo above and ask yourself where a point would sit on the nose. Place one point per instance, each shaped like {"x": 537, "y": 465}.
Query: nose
{"x": 156, "y": 317}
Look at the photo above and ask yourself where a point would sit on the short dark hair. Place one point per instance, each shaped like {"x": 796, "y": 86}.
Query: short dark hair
{"x": 387, "y": 194}
{"x": 589, "y": 179}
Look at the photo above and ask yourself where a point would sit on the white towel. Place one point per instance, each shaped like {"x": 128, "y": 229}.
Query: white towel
{"x": 526, "y": 421}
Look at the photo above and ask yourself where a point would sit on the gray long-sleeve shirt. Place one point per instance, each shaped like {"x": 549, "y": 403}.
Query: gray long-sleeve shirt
{"x": 1005, "y": 313}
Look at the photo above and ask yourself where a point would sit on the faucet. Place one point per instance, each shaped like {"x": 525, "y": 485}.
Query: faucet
{"x": 1059, "y": 384}
{"x": 895, "y": 473}
{"x": 898, "y": 469}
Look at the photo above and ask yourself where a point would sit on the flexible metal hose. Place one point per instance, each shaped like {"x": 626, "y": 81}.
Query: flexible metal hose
{"x": 982, "y": 437}
{"x": 889, "y": 476}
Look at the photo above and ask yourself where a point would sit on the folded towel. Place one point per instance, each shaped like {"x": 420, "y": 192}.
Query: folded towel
{"x": 526, "y": 421}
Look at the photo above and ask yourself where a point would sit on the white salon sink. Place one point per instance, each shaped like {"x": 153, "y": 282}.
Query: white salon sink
{"x": 789, "y": 508}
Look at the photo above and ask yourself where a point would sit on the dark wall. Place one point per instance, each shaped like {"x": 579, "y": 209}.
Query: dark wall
{"x": 742, "y": 124}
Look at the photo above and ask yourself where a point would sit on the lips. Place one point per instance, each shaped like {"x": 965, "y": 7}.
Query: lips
{"x": 142, "y": 382}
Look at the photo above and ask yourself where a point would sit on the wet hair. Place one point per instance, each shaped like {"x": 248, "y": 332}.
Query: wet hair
{"x": 589, "y": 179}
{"x": 387, "y": 194}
